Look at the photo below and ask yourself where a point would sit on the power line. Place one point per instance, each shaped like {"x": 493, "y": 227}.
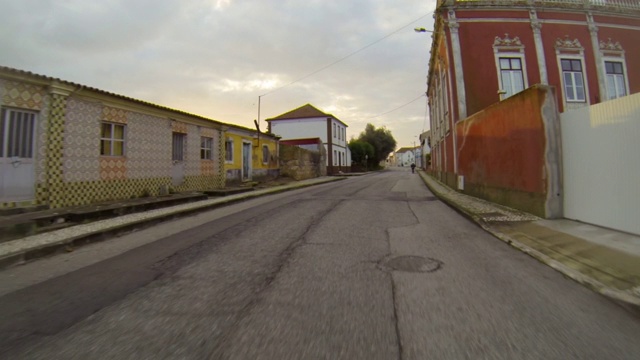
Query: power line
{"x": 399, "y": 107}
{"x": 347, "y": 56}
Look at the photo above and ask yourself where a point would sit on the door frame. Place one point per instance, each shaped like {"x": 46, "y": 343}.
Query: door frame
{"x": 7, "y": 163}
{"x": 249, "y": 159}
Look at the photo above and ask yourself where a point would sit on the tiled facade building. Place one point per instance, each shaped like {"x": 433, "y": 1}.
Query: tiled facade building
{"x": 64, "y": 144}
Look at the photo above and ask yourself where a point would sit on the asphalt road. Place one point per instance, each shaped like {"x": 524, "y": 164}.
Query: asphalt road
{"x": 373, "y": 267}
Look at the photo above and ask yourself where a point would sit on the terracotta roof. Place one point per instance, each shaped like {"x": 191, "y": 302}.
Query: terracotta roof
{"x": 304, "y": 112}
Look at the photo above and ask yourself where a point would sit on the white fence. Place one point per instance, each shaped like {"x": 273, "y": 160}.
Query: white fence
{"x": 601, "y": 164}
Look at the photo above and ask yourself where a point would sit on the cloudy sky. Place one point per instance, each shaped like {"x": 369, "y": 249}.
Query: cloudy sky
{"x": 216, "y": 57}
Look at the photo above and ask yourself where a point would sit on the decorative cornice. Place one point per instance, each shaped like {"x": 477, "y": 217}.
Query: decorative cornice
{"x": 507, "y": 41}
{"x": 568, "y": 44}
{"x": 610, "y": 45}
{"x": 536, "y": 25}
{"x": 452, "y": 22}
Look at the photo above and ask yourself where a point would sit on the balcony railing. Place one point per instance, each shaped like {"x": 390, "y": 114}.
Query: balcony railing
{"x": 603, "y": 4}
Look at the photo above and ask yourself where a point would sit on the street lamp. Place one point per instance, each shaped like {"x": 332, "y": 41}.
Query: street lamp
{"x": 421, "y": 29}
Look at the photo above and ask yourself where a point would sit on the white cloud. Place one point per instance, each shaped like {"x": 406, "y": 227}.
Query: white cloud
{"x": 215, "y": 57}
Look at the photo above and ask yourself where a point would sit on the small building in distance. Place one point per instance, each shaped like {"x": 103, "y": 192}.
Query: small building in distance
{"x": 309, "y": 122}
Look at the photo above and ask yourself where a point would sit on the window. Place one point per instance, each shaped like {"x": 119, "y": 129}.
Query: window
{"x": 112, "y": 139}
{"x": 17, "y": 133}
{"x": 616, "y": 85}
{"x": 206, "y": 148}
{"x": 228, "y": 150}
{"x": 335, "y": 157}
{"x": 177, "y": 148}
{"x": 573, "y": 80}
{"x": 511, "y": 75}
{"x": 265, "y": 154}
{"x": 334, "y": 130}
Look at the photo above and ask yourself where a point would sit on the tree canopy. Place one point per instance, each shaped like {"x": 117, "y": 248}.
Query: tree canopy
{"x": 381, "y": 140}
{"x": 361, "y": 151}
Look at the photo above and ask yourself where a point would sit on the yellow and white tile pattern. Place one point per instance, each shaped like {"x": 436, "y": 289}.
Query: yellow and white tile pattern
{"x": 69, "y": 168}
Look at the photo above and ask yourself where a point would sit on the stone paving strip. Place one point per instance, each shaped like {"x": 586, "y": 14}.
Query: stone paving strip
{"x": 615, "y": 274}
{"x": 478, "y": 209}
{"x": 27, "y": 248}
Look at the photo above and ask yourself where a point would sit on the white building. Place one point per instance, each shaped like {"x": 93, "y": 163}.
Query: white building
{"x": 405, "y": 156}
{"x": 309, "y": 122}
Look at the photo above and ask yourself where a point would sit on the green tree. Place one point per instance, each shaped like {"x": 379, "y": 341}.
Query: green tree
{"x": 382, "y": 141}
{"x": 361, "y": 151}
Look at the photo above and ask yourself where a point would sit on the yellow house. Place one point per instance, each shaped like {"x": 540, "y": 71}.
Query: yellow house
{"x": 250, "y": 155}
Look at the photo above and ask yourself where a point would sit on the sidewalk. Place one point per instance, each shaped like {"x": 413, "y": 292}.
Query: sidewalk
{"x": 604, "y": 260}
{"x": 32, "y": 247}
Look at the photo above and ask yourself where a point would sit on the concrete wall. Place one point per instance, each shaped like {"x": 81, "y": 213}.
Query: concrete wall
{"x": 299, "y": 164}
{"x": 600, "y": 164}
{"x": 509, "y": 153}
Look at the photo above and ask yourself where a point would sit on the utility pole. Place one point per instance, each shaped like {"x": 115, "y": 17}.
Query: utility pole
{"x": 259, "y": 98}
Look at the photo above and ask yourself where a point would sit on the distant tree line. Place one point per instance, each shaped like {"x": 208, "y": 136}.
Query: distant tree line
{"x": 372, "y": 146}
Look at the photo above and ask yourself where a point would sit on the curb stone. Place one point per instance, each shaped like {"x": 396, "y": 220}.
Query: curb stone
{"x": 67, "y": 244}
{"x": 631, "y": 297}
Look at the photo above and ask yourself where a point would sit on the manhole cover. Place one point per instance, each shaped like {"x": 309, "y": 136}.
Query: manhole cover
{"x": 410, "y": 263}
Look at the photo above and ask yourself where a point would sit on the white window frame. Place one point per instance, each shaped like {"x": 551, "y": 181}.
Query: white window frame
{"x": 228, "y": 155}
{"x": 113, "y": 140}
{"x": 573, "y": 79}
{"x": 334, "y": 130}
{"x": 625, "y": 75}
{"x": 523, "y": 63}
{"x": 206, "y": 148}
{"x": 573, "y": 104}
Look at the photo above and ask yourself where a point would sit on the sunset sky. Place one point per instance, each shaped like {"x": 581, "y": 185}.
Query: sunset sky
{"x": 216, "y": 57}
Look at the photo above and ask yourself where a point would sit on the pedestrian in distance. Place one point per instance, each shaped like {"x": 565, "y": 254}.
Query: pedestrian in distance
{"x": 413, "y": 168}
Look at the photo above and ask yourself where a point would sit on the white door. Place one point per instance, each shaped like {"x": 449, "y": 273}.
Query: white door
{"x": 177, "y": 155}
{"x": 17, "y": 151}
{"x": 246, "y": 161}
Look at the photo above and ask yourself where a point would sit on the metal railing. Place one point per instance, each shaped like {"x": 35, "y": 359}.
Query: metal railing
{"x": 608, "y": 4}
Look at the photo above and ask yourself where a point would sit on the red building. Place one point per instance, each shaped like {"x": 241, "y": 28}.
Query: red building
{"x": 485, "y": 51}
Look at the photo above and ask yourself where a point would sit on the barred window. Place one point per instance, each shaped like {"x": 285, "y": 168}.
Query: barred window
{"x": 17, "y": 133}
